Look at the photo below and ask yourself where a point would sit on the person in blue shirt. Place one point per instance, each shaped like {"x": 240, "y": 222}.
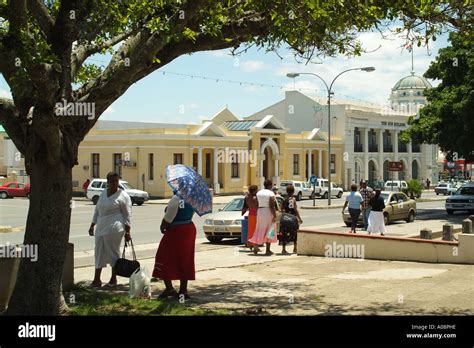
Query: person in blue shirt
{"x": 355, "y": 202}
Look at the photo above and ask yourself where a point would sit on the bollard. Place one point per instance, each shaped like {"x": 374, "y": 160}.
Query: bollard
{"x": 448, "y": 232}
{"x": 467, "y": 226}
{"x": 471, "y": 217}
{"x": 425, "y": 233}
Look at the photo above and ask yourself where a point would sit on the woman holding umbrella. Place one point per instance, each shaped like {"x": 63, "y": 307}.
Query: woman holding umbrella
{"x": 175, "y": 256}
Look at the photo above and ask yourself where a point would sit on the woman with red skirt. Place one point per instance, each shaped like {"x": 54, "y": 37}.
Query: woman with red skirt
{"x": 175, "y": 256}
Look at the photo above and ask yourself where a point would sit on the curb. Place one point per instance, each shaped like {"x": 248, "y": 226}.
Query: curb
{"x": 321, "y": 207}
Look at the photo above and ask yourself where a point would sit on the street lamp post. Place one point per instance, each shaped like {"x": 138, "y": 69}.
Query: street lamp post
{"x": 330, "y": 92}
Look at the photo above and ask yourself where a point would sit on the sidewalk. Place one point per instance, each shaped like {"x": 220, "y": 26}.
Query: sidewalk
{"x": 229, "y": 277}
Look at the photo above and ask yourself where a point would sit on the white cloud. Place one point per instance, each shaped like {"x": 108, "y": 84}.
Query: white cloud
{"x": 5, "y": 94}
{"x": 254, "y": 88}
{"x": 391, "y": 61}
{"x": 253, "y": 65}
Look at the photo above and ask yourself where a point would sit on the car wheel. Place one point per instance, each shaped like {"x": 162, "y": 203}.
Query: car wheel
{"x": 339, "y": 195}
{"x": 139, "y": 203}
{"x": 214, "y": 239}
{"x": 3, "y": 195}
{"x": 437, "y": 193}
{"x": 298, "y": 197}
{"x": 450, "y": 211}
{"x": 95, "y": 199}
{"x": 386, "y": 219}
{"x": 325, "y": 196}
{"x": 348, "y": 224}
{"x": 411, "y": 217}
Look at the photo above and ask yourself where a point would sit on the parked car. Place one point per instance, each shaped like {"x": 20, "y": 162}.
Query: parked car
{"x": 321, "y": 189}
{"x": 455, "y": 187}
{"x": 395, "y": 185}
{"x": 14, "y": 189}
{"x": 302, "y": 189}
{"x": 462, "y": 200}
{"x": 227, "y": 223}
{"x": 397, "y": 207}
{"x": 376, "y": 184}
{"x": 444, "y": 188}
{"x": 96, "y": 187}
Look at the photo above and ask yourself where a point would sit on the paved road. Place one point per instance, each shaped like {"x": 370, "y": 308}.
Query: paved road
{"x": 146, "y": 220}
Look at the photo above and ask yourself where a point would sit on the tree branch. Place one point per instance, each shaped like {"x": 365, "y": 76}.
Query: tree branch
{"x": 42, "y": 16}
{"x": 9, "y": 119}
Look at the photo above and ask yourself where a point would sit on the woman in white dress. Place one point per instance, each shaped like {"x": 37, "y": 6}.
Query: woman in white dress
{"x": 112, "y": 216}
{"x": 376, "y": 219}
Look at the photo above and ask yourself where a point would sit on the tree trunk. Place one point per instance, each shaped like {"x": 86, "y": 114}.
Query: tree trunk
{"x": 38, "y": 286}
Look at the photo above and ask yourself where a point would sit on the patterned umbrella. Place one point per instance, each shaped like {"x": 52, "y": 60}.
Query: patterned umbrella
{"x": 191, "y": 187}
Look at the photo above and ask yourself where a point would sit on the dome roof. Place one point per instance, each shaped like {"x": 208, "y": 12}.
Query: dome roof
{"x": 412, "y": 81}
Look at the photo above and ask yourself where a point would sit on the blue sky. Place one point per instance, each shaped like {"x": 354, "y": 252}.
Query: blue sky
{"x": 180, "y": 99}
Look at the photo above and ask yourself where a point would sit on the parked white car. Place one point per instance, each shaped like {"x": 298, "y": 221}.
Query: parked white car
{"x": 96, "y": 187}
{"x": 302, "y": 189}
{"x": 462, "y": 200}
{"x": 395, "y": 185}
{"x": 321, "y": 189}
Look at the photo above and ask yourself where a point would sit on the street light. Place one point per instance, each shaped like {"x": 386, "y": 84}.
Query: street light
{"x": 330, "y": 92}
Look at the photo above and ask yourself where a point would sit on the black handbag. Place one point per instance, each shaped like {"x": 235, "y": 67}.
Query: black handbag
{"x": 288, "y": 222}
{"x": 124, "y": 267}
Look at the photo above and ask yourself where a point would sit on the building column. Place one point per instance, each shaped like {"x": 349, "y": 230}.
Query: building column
{"x": 395, "y": 150}
{"x": 276, "y": 179}
{"x": 216, "y": 172}
{"x": 199, "y": 167}
{"x": 310, "y": 165}
{"x": 320, "y": 163}
{"x": 381, "y": 153}
{"x": 410, "y": 161}
{"x": 366, "y": 154}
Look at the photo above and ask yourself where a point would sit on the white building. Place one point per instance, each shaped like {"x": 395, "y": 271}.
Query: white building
{"x": 370, "y": 132}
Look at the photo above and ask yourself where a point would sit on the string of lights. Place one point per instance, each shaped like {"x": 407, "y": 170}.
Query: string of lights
{"x": 247, "y": 83}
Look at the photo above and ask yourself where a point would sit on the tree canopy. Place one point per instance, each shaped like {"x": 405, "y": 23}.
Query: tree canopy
{"x": 448, "y": 119}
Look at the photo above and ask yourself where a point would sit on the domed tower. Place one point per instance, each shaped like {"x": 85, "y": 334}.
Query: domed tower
{"x": 408, "y": 92}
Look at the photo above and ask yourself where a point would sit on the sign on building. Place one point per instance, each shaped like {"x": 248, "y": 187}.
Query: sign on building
{"x": 395, "y": 166}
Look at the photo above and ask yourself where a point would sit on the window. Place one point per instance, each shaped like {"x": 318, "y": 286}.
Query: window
{"x": 297, "y": 184}
{"x": 296, "y": 164}
{"x": 12, "y": 186}
{"x": 151, "y": 167}
{"x": 208, "y": 165}
{"x": 95, "y": 165}
{"x": 96, "y": 184}
{"x": 195, "y": 161}
{"x": 235, "y": 166}
{"x": 178, "y": 158}
{"x": 333, "y": 163}
{"x": 117, "y": 164}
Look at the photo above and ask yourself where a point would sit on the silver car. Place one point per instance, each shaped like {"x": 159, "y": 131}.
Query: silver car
{"x": 462, "y": 200}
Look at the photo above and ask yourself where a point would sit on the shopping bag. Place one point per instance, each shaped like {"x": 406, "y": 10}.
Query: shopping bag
{"x": 271, "y": 233}
{"x": 140, "y": 284}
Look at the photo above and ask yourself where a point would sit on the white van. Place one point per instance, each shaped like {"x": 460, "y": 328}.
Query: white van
{"x": 395, "y": 185}
{"x": 96, "y": 187}
{"x": 302, "y": 189}
{"x": 321, "y": 189}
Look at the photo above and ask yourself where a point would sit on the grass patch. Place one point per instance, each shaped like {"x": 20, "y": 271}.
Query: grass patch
{"x": 105, "y": 302}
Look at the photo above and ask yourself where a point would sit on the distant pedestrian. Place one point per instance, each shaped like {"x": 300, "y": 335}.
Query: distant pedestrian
{"x": 266, "y": 218}
{"x": 251, "y": 204}
{"x": 288, "y": 229}
{"x": 85, "y": 185}
{"x": 428, "y": 184}
{"x": 112, "y": 220}
{"x": 376, "y": 218}
{"x": 356, "y": 204}
{"x": 367, "y": 194}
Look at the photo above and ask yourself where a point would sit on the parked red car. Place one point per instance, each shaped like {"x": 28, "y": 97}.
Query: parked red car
{"x": 14, "y": 189}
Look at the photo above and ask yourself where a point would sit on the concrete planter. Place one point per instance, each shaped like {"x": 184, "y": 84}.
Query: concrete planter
{"x": 9, "y": 271}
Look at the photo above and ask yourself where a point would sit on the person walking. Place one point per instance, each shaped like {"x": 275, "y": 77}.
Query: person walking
{"x": 112, "y": 223}
{"x": 428, "y": 183}
{"x": 376, "y": 218}
{"x": 266, "y": 218}
{"x": 367, "y": 194}
{"x": 356, "y": 203}
{"x": 251, "y": 204}
{"x": 288, "y": 233}
{"x": 174, "y": 258}
{"x": 85, "y": 185}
